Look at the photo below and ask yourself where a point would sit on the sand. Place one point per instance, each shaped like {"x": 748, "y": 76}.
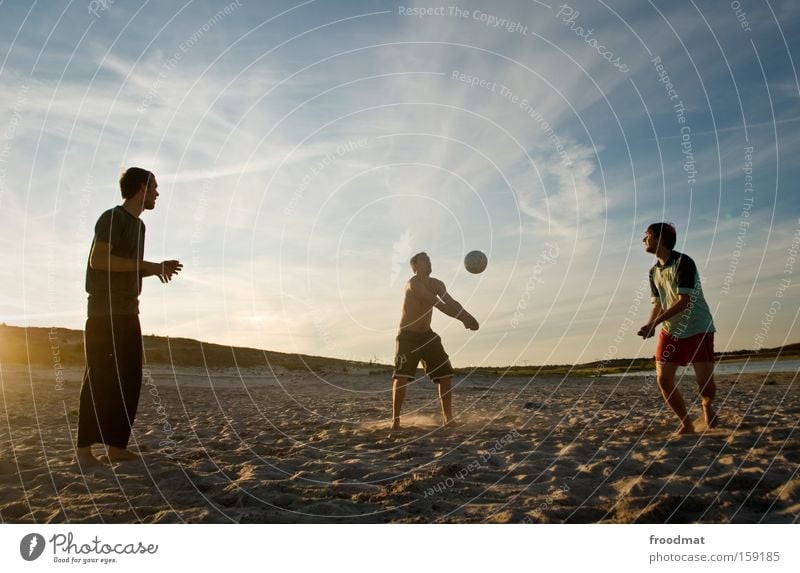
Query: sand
{"x": 272, "y": 447}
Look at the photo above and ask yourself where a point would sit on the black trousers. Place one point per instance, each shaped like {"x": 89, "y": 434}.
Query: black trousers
{"x": 112, "y": 381}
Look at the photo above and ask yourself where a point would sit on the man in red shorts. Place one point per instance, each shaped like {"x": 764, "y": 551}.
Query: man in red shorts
{"x": 687, "y": 336}
{"x": 416, "y": 341}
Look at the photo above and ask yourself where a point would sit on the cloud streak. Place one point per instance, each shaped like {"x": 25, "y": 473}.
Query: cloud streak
{"x": 305, "y": 151}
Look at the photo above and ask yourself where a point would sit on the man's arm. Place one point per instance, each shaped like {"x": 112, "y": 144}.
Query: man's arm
{"x": 657, "y": 316}
{"x": 451, "y": 307}
{"x": 443, "y": 301}
{"x": 101, "y": 259}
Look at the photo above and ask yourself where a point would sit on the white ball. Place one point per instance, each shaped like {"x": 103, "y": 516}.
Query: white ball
{"x": 475, "y": 262}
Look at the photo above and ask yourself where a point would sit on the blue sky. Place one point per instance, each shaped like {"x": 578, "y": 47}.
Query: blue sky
{"x": 305, "y": 150}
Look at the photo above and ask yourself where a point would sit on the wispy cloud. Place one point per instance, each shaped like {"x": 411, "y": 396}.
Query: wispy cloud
{"x": 304, "y": 152}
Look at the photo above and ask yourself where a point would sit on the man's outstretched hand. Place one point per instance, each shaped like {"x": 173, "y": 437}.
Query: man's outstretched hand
{"x": 647, "y": 330}
{"x": 168, "y": 270}
{"x": 470, "y": 323}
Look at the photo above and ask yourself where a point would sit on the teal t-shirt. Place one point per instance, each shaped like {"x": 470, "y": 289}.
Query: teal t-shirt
{"x": 677, "y": 276}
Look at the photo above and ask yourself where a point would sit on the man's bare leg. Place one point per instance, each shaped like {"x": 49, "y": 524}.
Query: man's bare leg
{"x": 116, "y": 454}
{"x": 666, "y": 382}
{"x": 704, "y": 372}
{"x": 446, "y": 397}
{"x": 398, "y": 395}
{"x": 85, "y": 458}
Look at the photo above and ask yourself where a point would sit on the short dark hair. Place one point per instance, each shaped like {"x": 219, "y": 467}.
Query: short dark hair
{"x": 132, "y": 180}
{"x": 665, "y": 233}
{"x": 413, "y": 261}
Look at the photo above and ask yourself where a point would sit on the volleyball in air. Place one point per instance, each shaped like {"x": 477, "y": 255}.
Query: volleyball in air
{"x": 475, "y": 262}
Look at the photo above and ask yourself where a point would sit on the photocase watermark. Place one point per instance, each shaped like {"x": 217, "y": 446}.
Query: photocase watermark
{"x": 490, "y": 20}
{"x": 485, "y": 18}
{"x": 612, "y": 352}
{"x": 792, "y": 254}
{"x": 548, "y": 256}
{"x": 95, "y": 551}
{"x": 680, "y": 328}
{"x": 31, "y": 547}
{"x": 97, "y": 6}
{"x": 664, "y": 79}
{"x": 183, "y": 48}
{"x": 401, "y": 254}
{"x": 744, "y": 223}
{"x": 791, "y": 259}
{"x": 547, "y": 503}
{"x": 569, "y": 16}
{"x": 421, "y": 12}
{"x": 522, "y": 103}
{"x": 84, "y": 200}
{"x": 741, "y": 15}
{"x": 169, "y": 445}
{"x": 689, "y": 163}
{"x": 566, "y": 13}
{"x": 53, "y": 294}
{"x": 475, "y": 81}
{"x": 544, "y": 125}
{"x": 341, "y": 150}
{"x": 679, "y": 109}
{"x": 473, "y": 466}
{"x": 10, "y": 132}
{"x": 55, "y": 355}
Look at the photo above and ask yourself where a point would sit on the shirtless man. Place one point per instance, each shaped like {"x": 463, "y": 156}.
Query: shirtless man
{"x": 416, "y": 341}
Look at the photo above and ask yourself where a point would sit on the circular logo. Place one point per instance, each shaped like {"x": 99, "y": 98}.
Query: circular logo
{"x": 31, "y": 547}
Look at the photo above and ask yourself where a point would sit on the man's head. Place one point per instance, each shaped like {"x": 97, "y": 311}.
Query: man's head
{"x": 139, "y": 185}
{"x": 659, "y": 235}
{"x": 421, "y": 264}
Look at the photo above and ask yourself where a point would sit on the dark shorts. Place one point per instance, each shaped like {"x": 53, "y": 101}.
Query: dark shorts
{"x": 425, "y": 346}
{"x": 683, "y": 351}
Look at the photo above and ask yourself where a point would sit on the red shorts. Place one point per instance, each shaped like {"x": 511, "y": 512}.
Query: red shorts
{"x": 683, "y": 351}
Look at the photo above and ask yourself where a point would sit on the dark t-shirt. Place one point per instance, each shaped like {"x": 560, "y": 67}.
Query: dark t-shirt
{"x": 116, "y": 293}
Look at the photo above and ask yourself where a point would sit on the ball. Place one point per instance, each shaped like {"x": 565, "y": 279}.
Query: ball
{"x": 475, "y": 262}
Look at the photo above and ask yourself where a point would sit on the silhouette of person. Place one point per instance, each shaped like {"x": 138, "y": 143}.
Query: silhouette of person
{"x": 113, "y": 338}
{"x": 416, "y": 341}
{"x": 687, "y": 335}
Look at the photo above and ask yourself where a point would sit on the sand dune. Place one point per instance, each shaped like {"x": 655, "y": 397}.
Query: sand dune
{"x": 289, "y": 446}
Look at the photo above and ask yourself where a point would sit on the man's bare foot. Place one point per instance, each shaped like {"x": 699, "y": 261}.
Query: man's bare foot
{"x": 399, "y": 434}
{"x": 121, "y": 455}
{"x": 395, "y": 424}
{"x": 452, "y": 423}
{"x": 85, "y": 458}
{"x": 686, "y": 428}
{"x": 710, "y": 415}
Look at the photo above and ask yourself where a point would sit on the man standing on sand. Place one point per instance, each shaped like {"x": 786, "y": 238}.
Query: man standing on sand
{"x": 416, "y": 341}
{"x": 688, "y": 332}
{"x": 113, "y": 338}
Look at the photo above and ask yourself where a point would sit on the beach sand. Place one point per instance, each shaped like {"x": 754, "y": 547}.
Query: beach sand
{"x": 257, "y": 446}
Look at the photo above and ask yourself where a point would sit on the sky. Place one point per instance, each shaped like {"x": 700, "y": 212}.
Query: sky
{"x": 305, "y": 150}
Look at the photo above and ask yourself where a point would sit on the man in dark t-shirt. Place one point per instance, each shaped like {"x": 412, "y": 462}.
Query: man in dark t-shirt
{"x": 116, "y": 293}
{"x": 113, "y": 337}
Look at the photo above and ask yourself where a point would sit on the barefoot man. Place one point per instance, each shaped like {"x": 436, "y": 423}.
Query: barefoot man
{"x": 113, "y": 337}
{"x": 688, "y": 332}
{"x": 416, "y": 341}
